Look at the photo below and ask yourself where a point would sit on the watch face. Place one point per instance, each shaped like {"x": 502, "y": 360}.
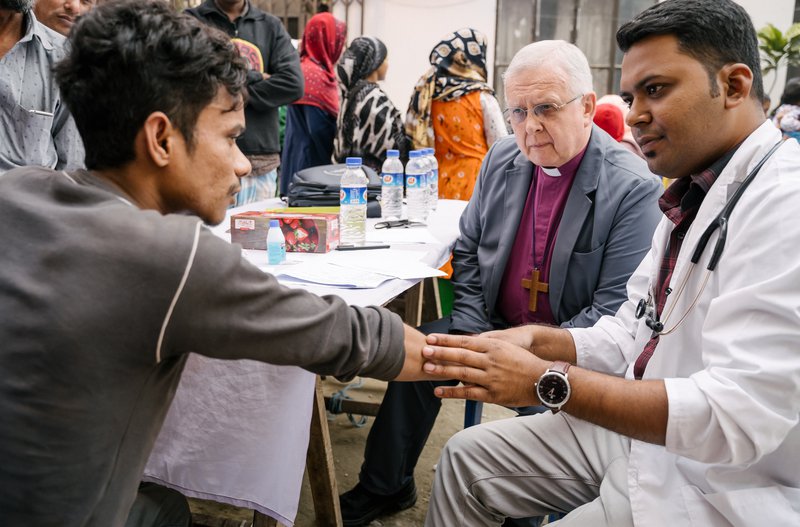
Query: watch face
{"x": 552, "y": 389}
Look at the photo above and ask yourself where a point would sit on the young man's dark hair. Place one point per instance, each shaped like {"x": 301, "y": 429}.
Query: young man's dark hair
{"x": 177, "y": 68}
{"x": 714, "y": 32}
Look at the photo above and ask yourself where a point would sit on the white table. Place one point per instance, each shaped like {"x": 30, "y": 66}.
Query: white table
{"x": 237, "y": 431}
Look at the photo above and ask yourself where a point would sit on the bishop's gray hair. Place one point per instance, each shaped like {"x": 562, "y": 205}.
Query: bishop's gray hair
{"x": 558, "y": 53}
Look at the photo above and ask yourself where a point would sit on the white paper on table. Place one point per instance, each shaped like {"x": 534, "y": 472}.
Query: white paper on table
{"x": 329, "y": 274}
{"x": 400, "y": 264}
{"x": 259, "y": 259}
{"x": 376, "y": 256}
{"x": 401, "y": 235}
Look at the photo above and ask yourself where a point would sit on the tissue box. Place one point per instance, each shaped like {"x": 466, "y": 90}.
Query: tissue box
{"x": 304, "y": 233}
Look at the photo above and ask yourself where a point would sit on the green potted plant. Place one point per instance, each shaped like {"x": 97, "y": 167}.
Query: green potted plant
{"x": 779, "y": 48}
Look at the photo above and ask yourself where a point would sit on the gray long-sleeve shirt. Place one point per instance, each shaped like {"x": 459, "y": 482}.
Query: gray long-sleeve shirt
{"x": 35, "y": 126}
{"x": 101, "y": 302}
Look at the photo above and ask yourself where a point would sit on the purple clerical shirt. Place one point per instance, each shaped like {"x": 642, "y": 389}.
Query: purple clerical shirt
{"x": 533, "y": 245}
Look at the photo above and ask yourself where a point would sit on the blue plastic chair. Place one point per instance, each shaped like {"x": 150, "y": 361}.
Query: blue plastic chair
{"x": 472, "y": 413}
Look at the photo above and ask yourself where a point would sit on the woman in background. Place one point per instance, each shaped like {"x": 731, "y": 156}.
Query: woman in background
{"x": 368, "y": 124}
{"x": 627, "y": 136}
{"x": 455, "y": 111}
{"x": 311, "y": 120}
{"x": 787, "y": 115}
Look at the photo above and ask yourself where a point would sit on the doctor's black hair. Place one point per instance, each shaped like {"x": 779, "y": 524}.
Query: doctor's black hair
{"x": 130, "y": 58}
{"x": 714, "y": 32}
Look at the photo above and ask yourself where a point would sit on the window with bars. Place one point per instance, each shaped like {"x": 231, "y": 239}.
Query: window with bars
{"x": 295, "y": 13}
{"x": 589, "y": 24}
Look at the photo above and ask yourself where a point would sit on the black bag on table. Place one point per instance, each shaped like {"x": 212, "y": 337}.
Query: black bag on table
{"x": 319, "y": 187}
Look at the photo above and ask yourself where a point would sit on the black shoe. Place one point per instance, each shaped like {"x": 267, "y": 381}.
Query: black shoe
{"x": 360, "y": 506}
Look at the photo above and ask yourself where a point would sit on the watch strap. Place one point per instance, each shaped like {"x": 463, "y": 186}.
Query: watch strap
{"x": 560, "y": 366}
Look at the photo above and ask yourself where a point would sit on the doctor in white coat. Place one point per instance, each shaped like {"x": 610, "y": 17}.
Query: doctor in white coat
{"x": 683, "y": 408}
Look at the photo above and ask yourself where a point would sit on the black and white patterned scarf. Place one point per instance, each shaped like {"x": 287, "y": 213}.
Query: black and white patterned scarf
{"x": 368, "y": 123}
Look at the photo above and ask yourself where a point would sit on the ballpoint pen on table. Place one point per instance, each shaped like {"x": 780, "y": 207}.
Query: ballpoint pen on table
{"x": 347, "y": 247}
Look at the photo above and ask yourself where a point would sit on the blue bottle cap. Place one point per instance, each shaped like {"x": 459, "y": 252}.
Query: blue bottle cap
{"x": 274, "y": 223}
{"x": 353, "y": 161}
{"x": 414, "y": 153}
{"x": 393, "y": 153}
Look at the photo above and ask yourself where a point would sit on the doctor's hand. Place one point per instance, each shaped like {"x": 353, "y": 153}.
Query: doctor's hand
{"x": 550, "y": 343}
{"x": 521, "y": 336}
{"x": 492, "y": 369}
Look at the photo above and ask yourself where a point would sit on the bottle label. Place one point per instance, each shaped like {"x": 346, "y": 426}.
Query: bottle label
{"x": 353, "y": 196}
{"x": 392, "y": 180}
{"x": 415, "y": 181}
{"x": 276, "y": 252}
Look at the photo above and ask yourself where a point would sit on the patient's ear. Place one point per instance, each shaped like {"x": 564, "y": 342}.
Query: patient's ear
{"x": 156, "y": 135}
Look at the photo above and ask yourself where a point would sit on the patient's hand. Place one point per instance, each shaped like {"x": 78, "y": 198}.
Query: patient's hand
{"x": 412, "y": 366}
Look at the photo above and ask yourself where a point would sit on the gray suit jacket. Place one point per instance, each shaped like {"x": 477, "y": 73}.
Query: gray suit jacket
{"x": 605, "y": 231}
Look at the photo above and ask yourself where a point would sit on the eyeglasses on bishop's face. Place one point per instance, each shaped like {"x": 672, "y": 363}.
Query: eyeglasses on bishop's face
{"x": 544, "y": 111}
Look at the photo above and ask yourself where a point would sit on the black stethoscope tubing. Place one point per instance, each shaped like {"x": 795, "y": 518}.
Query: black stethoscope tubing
{"x": 720, "y": 222}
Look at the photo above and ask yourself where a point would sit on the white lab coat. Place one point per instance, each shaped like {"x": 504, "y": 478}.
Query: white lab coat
{"x": 732, "y": 365}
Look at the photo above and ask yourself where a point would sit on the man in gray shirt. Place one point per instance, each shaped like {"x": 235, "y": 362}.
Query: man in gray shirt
{"x": 110, "y": 277}
{"x": 35, "y": 126}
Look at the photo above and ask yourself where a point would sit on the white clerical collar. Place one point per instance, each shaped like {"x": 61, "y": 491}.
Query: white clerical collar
{"x": 552, "y": 171}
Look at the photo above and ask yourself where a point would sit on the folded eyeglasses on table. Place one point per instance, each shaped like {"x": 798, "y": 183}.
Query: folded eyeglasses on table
{"x": 398, "y": 224}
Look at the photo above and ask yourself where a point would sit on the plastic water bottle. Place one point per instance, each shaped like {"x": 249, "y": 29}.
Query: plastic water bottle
{"x": 425, "y": 180}
{"x": 353, "y": 204}
{"x": 433, "y": 178}
{"x": 392, "y": 186}
{"x": 276, "y": 243}
{"x": 416, "y": 187}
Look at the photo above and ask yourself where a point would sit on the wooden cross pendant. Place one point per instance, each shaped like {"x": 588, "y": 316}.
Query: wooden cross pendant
{"x": 535, "y": 286}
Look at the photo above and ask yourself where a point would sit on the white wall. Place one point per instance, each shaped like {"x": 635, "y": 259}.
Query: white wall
{"x": 780, "y": 14}
{"x": 411, "y": 28}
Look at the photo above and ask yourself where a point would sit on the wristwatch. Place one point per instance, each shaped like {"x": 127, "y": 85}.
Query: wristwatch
{"x": 553, "y": 387}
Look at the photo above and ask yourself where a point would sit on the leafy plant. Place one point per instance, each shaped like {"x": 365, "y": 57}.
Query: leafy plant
{"x": 779, "y": 48}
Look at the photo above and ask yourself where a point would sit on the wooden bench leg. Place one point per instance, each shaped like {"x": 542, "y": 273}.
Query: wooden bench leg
{"x": 320, "y": 467}
{"x": 414, "y": 298}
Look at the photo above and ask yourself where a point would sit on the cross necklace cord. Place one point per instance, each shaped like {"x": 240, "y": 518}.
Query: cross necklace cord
{"x": 533, "y": 284}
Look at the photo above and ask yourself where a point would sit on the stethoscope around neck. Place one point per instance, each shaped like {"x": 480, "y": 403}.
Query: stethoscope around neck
{"x": 647, "y": 308}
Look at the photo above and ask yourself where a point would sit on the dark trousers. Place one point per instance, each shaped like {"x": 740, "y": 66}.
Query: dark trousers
{"x": 158, "y": 506}
{"x": 402, "y": 426}
{"x": 397, "y": 437}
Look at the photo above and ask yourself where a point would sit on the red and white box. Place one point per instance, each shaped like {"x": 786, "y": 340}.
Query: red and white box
{"x": 304, "y": 233}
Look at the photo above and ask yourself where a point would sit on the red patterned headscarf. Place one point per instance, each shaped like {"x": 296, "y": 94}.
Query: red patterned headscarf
{"x": 322, "y": 44}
